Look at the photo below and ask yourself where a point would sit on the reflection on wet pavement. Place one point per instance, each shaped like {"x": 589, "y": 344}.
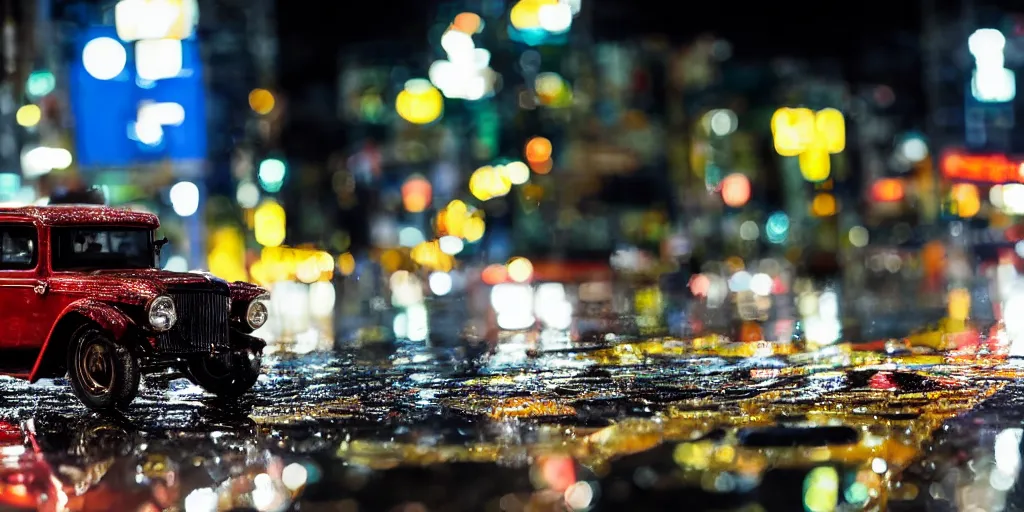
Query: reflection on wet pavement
{"x": 636, "y": 426}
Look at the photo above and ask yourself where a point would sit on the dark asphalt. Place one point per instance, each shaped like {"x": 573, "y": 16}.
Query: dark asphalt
{"x": 628, "y": 427}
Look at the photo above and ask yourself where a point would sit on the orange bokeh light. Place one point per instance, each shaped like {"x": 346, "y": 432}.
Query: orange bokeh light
{"x": 735, "y": 190}
{"x": 538, "y": 150}
{"x": 416, "y": 194}
{"x": 494, "y": 274}
{"x": 467, "y": 23}
{"x": 887, "y": 190}
{"x": 542, "y": 167}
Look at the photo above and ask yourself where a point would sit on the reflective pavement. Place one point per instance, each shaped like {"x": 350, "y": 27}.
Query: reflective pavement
{"x": 539, "y": 425}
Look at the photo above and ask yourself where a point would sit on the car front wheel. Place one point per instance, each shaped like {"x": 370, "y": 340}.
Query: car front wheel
{"x": 227, "y": 375}
{"x": 104, "y": 375}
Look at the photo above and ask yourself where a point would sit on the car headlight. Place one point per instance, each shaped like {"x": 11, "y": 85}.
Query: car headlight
{"x": 257, "y": 313}
{"x": 162, "y": 315}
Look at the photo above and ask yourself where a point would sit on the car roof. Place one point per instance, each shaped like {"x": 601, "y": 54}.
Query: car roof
{"x": 83, "y": 215}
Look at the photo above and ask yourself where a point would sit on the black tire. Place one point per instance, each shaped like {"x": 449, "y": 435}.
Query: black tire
{"x": 103, "y": 374}
{"x": 228, "y": 375}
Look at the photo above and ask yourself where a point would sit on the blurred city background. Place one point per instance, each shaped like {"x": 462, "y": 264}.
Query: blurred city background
{"x": 439, "y": 171}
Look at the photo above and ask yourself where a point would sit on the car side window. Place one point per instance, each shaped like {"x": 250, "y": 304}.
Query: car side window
{"x": 18, "y": 247}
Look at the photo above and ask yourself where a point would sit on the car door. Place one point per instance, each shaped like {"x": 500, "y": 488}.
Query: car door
{"x": 21, "y": 308}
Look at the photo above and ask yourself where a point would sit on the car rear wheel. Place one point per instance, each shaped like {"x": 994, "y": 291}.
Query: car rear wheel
{"x": 226, "y": 375}
{"x": 104, "y": 375}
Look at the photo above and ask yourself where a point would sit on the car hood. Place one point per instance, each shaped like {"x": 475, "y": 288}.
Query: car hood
{"x": 167, "y": 280}
{"x": 138, "y": 286}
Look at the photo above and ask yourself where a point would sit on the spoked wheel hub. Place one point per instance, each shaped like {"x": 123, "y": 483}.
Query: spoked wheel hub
{"x": 96, "y": 371}
{"x": 104, "y": 374}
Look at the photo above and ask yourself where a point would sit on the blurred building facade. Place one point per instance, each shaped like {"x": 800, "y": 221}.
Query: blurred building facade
{"x": 680, "y": 152}
{"x": 512, "y": 132}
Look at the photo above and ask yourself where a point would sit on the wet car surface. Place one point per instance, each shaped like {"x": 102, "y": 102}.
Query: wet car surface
{"x": 639, "y": 425}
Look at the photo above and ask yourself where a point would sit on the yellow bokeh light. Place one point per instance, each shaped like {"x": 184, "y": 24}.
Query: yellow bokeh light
{"x": 459, "y": 220}
{"x": 812, "y": 136}
{"x": 519, "y": 269}
{"x": 454, "y": 224}
{"x": 346, "y": 264}
{"x": 269, "y": 224}
{"x": 28, "y": 115}
{"x": 473, "y": 230}
{"x": 815, "y": 164}
{"x": 525, "y": 14}
{"x": 226, "y": 258}
{"x": 262, "y": 101}
{"x": 420, "y": 102}
{"x": 391, "y": 260}
{"x": 429, "y": 255}
{"x": 792, "y": 130}
{"x": 830, "y": 127}
{"x": 478, "y": 183}
{"x": 258, "y": 274}
{"x": 277, "y": 264}
{"x": 967, "y": 199}
{"x": 457, "y": 208}
{"x": 487, "y": 183}
{"x": 821, "y": 490}
{"x": 824, "y": 205}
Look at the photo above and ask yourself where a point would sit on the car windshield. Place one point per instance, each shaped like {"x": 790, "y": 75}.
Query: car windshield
{"x": 98, "y": 248}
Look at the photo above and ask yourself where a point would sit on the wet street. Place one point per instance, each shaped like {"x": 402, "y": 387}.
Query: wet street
{"x": 621, "y": 426}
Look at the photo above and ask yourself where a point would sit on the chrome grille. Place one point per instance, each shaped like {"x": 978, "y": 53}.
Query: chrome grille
{"x": 202, "y": 323}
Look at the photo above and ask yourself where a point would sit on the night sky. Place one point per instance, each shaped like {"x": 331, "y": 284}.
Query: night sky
{"x": 758, "y": 29}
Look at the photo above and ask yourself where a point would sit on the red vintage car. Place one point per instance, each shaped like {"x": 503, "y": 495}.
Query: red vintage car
{"x": 82, "y": 295}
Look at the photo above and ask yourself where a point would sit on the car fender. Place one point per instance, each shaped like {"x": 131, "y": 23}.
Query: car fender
{"x": 106, "y": 316}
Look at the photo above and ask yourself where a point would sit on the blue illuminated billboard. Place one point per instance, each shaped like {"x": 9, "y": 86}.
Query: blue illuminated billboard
{"x": 106, "y": 98}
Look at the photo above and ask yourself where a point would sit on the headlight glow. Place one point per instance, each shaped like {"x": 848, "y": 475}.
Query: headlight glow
{"x": 257, "y": 313}
{"x": 162, "y": 315}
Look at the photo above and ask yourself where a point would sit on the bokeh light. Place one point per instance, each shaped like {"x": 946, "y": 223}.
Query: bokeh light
{"x": 967, "y": 199}
{"x": 811, "y": 136}
{"x": 519, "y": 269}
{"x": 468, "y": 23}
{"x": 420, "y": 102}
{"x": 538, "y": 149}
{"x": 488, "y": 183}
{"x": 736, "y": 190}
{"x": 824, "y": 205}
{"x": 417, "y": 194}
{"x": 104, "y": 58}
{"x": 887, "y": 190}
{"x": 261, "y": 101}
{"x": 28, "y": 115}
{"x": 269, "y": 224}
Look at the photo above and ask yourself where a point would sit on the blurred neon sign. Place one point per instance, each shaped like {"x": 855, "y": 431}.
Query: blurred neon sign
{"x": 122, "y": 119}
{"x": 982, "y": 168}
